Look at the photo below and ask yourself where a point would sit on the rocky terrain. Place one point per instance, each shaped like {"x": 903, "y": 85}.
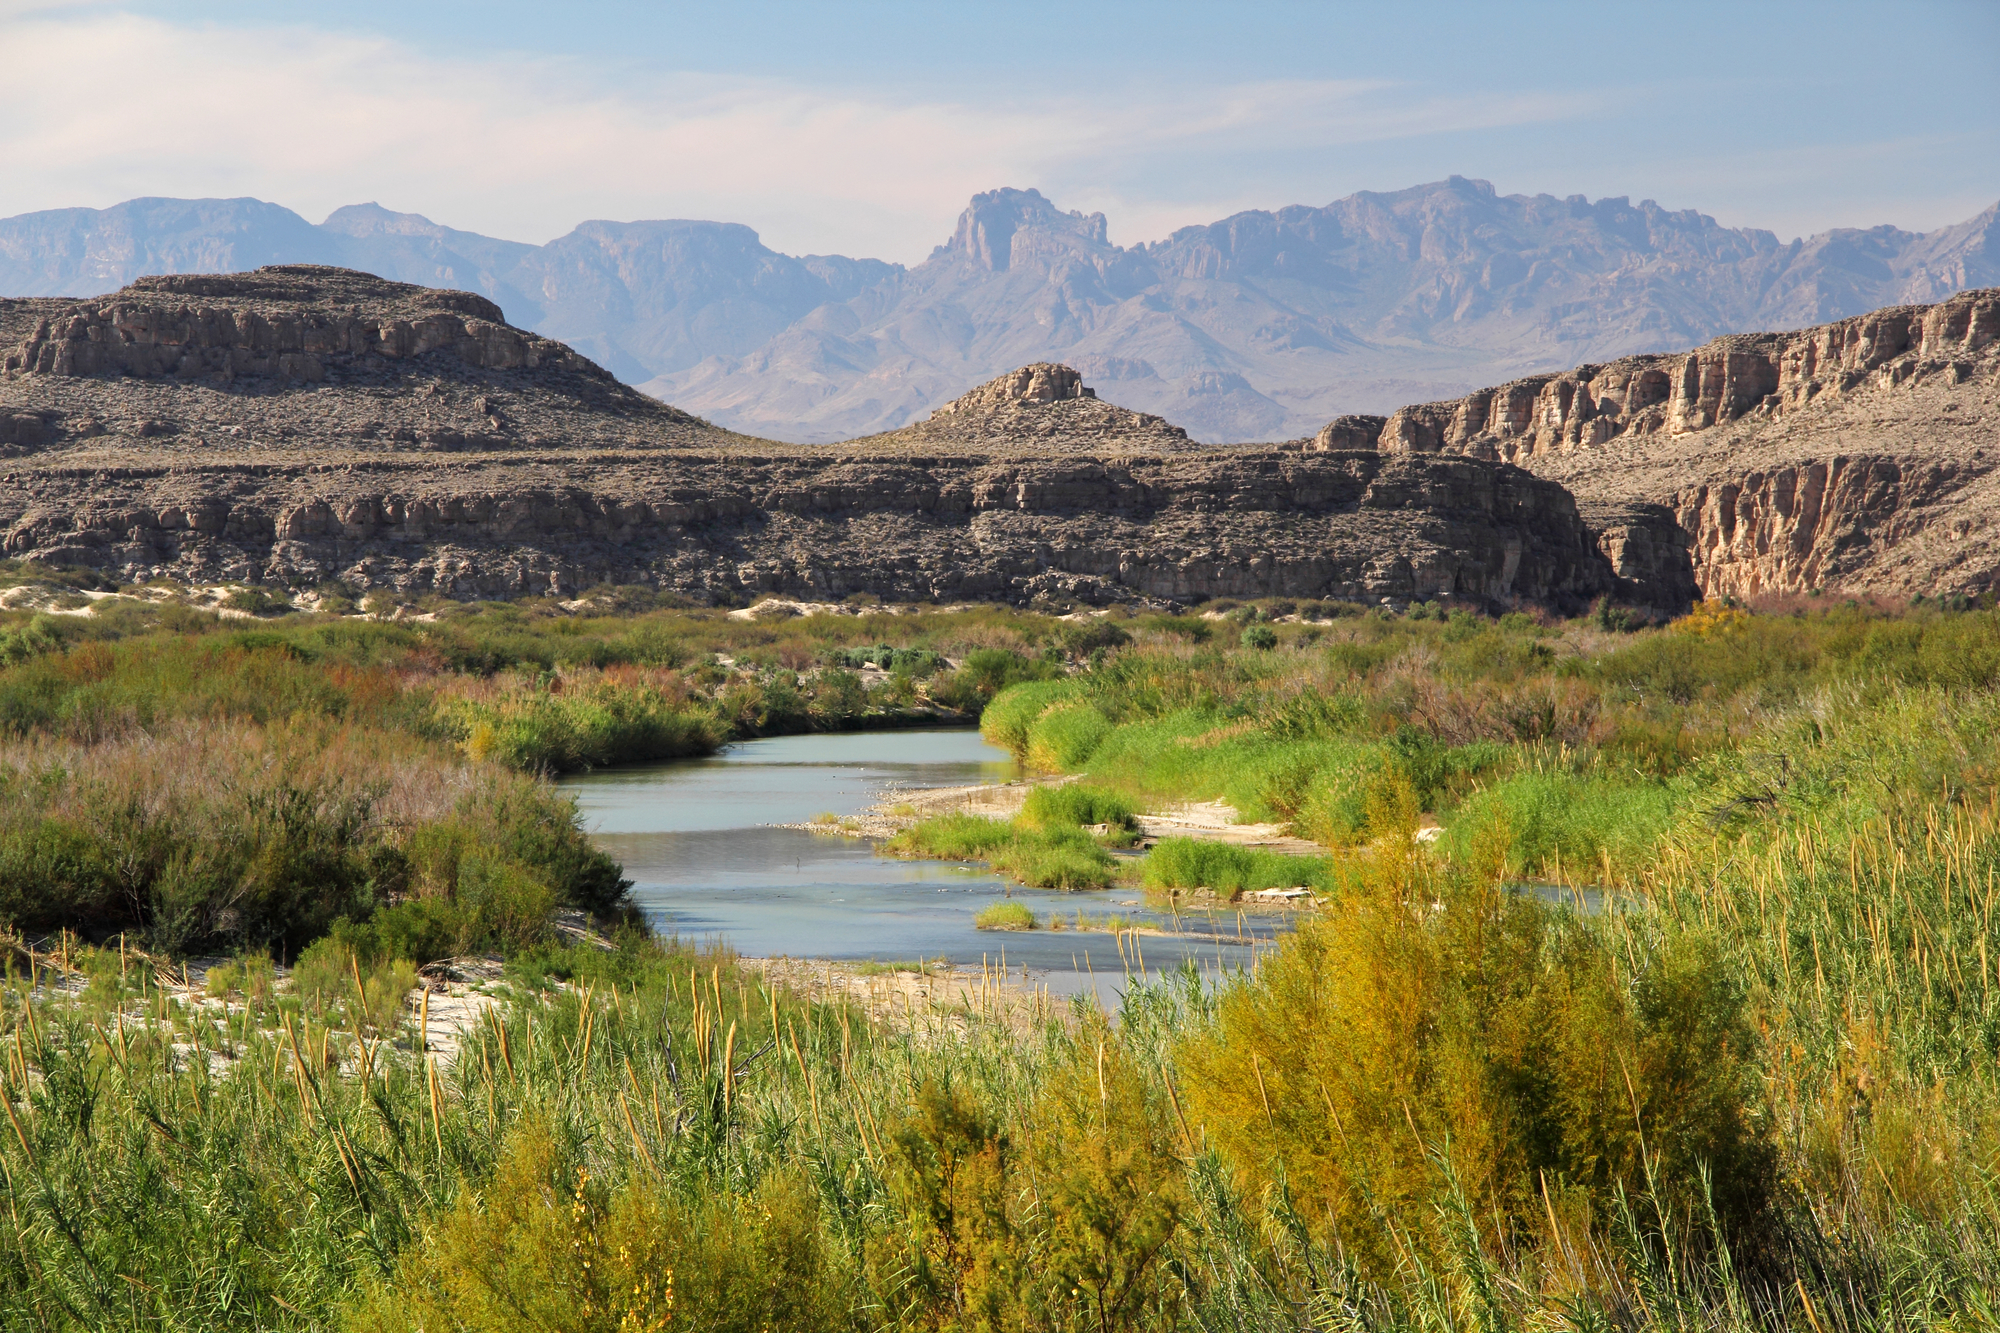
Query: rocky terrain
{"x": 1259, "y": 326}
{"x": 307, "y": 359}
{"x": 301, "y": 424}
{"x": 1041, "y": 408}
{"x": 1858, "y": 456}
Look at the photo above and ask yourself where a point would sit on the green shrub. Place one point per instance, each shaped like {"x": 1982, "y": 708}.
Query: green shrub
{"x": 951, "y": 837}
{"x": 505, "y": 905}
{"x": 1008, "y": 720}
{"x": 1315, "y": 716}
{"x": 1192, "y": 628}
{"x": 1074, "y": 804}
{"x": 988, "y": 671}
{"x": 1334, "y": 810}
{"x": 1056, "y": 859}
{"x": 1195, "y": 863}
{"x": 20, "y": 643}
{"x": 1260, "y": 637}
{"x": 533, "y": 730}
{"x": 1556, "y": 823}
{"x": 1005, "y": 916}
{"x": 916, "y": 663}
{"x": 247, "y": 976}
{"x": 1049, "y": 858}
{"x": 1092, "y": 637}
{"x": 256, "y": 601}
{"x": 1064, "y": 737}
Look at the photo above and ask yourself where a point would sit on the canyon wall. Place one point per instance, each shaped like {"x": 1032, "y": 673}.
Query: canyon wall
{"x": 727, "y": 526}
{"x": 1850, "y": 457}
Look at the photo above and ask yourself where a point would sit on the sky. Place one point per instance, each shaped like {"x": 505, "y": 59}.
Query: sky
{"x": 863, "y": 128}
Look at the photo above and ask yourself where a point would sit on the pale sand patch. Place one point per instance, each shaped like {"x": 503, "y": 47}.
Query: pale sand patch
{"x": 1216, "y": 821}
{"x": 1209, "y": 821}
{"x": 916, "y": 999}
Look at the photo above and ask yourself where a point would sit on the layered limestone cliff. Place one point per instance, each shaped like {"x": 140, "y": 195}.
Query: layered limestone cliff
{"x": 301, "y": 424}
{"x": 1243, "y": 523}
{"x": 1852, "y": 457}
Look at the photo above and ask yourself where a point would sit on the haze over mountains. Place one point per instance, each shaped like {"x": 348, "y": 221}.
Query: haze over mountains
{"x": 1260, "y": 326}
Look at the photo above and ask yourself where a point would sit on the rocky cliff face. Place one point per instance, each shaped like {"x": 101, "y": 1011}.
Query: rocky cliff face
{"x": 1856, "y": 456}
{"x": 909, "y": 527}
{"x": 300, "y": 424}
{"x": 285, "y": 322}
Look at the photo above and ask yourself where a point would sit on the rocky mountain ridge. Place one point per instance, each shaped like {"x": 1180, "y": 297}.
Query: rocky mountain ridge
{"x": 1259, "y": 326}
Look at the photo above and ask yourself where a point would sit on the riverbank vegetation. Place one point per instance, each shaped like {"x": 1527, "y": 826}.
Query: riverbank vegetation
{"x": 1058, "y": 841}
{"x": 209, "y": 782}
{"x": 1757, "y": 1091}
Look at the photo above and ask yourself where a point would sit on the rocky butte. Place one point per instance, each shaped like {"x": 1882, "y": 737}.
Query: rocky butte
{"x": 303, "y": 423}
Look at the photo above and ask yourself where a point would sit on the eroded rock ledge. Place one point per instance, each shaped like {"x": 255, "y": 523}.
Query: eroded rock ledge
{"x": 1856, "y": 456}
{"x": 728, "y": 525}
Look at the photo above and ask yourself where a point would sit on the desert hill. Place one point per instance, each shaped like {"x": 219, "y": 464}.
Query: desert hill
{"x": 311, "y": 360}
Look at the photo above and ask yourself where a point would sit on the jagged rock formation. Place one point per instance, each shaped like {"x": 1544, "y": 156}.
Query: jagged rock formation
{"x": 1857, "y": 456}
{"x": 300, "y": 424}
{"x": 1039, "y": 408}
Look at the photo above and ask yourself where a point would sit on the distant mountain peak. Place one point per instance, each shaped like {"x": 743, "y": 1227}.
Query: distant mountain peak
{"x": 371, "y": 219}
{"x": 987, "y": 227}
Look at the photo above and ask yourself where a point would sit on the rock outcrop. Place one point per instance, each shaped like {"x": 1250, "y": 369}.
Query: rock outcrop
{"x": 303, "y": 424}
{"x": 1853, "y": 457}
{"x": 1042, "y": 407}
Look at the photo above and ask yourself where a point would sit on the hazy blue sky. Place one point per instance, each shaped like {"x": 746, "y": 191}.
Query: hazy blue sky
{"x": 862, "y": 128}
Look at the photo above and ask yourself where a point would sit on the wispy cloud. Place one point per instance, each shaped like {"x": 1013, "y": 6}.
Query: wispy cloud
{"x": 101, "y": 106}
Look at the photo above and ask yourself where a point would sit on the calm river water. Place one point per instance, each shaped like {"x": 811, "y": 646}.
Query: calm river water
{"x": 695, "y": 839}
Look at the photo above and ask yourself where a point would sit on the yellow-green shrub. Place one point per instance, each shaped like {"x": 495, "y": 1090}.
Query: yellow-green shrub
{"x": 1424, "y": 1019}
{"x": 1059, "y": 1229}
{"x": 543, "y": 1246}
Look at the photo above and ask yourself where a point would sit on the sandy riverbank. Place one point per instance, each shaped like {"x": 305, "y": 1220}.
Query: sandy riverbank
{"x": 1208, "y": 821}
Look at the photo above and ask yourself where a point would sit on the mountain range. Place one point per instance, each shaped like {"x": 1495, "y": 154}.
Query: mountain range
{"x": 1261, "y": 326}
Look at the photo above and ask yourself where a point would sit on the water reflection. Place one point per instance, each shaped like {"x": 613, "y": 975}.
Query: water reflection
{"x": 694, "y": 838}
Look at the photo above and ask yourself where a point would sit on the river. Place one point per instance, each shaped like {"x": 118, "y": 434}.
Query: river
{"x": 696, "y": 837}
